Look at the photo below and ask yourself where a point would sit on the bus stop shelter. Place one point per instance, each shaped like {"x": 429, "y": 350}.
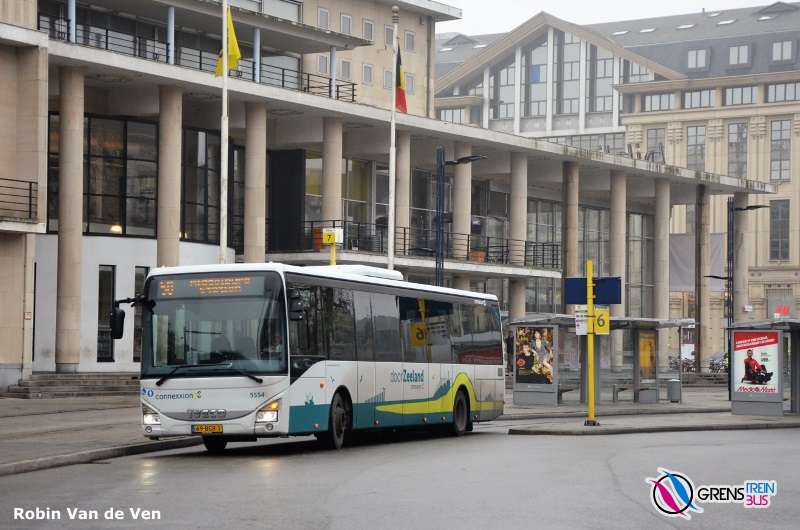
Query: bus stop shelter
{"x": 790, "y": 350}
{"x": 542, "y": 378}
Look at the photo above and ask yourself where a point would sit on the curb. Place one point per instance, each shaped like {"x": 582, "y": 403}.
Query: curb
{"x": 624, "y": 412}
{"x": 653, "y": 429}
{"x": 85, "y": 457}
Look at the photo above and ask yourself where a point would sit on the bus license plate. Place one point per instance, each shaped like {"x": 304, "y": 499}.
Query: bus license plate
{"x": 202, "y": 429}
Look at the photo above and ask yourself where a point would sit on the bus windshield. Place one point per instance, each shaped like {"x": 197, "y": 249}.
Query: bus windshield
{"x": 214, "y": 325}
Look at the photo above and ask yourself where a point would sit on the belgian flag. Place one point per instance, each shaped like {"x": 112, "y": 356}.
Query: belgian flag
{"x": 400, "y": 86}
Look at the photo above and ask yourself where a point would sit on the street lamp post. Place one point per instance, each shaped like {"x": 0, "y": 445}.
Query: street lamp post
{"x": 729, "y": 281}
{"x": 440, "y": 165}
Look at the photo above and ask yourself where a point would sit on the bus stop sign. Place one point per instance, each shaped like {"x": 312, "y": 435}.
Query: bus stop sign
{"x": 607, "y": 290}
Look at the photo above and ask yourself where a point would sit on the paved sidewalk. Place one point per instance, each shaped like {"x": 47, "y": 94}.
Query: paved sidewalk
{"x": 44, "y": 433}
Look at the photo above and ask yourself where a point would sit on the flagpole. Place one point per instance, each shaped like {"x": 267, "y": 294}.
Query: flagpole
{"x": 392, "y": 137}
{"x": 223, "y": 178}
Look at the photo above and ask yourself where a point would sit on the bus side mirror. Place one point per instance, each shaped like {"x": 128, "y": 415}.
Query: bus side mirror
{"x": 117, "y": 322}
{"x": 295, "y": 306}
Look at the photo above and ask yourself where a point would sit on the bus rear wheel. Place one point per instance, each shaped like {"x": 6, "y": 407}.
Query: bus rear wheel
{"x": 460, "y": 414}
{"x": 338, "y": 423}
{"x": 215, "y": 444}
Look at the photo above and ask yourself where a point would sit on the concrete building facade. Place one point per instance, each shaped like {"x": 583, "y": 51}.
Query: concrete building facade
{"x": 111, "y": 166}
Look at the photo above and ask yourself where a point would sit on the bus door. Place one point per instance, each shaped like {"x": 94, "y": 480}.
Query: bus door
{"x": 388, "y": 393}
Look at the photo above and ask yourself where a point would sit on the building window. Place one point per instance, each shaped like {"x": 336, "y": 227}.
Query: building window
{"x": 501, "y": 86}
{"x": 699, "y": 99}
{"x": 696, "y": 148}
{"x": 782, "y": 52}
{"x": 201, "y": 178}
{"x": 566, "y": 60}
{"x": 387, "y": 79}
{"x": 452, "y": 115}
{"x": 653, "y": 102}
{"x": 105, "y": 303}
{"x": 640, "y": 265}
{"x": 601, "y": 69}
{"x": 368, "y": 29}
{"x": 691, "y": 218}
{"x": 366, "y": 74}
{"x": 409, "y": 83}
{"x": 120, "y": 177}
{"x": 635, "y": 73}
{"x": 140, "y": 274}
{"x": 779, "y": 230}
{"x": 388, "y": 35}
{"x": 410, "y": 41}
{"x": 345, "y": 70}
{"x": 783, "y": 92}
{"x": 780, "y": 150}
{"x": 739, "y": 55}
{"x": 697, "y": 59}
{"x": 543, "y": 295}
{"x": 737, "y": 150}
{"x": 593, "y": 239}
{"x": 741, "y": 95}
{"x": 655, "y": 145}
{"x": 346, "y": 24}
{"x": 313, "y": 210}
{"x": 534, "y": 94}
{"x": 322, "y": 64}
{"x": 355, "y": 190}
{"x": 323, "y": 18}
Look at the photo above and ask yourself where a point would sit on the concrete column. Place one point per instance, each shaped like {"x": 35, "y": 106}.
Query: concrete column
{"x": 70, "y": 220}
{"x": 402, "y": 192}
{"x": 518, "y": 211}
{"x": 661, "y": 266}
{"x": 516, "y": 292}
{"x": 569, "y": 225}
{"x": 169, "y": 175}
{"x": 702, "y": 349}
{"x": 618, "y": 247}
{"x": 462, "y": 202}
{"x": 461, "y": 282}
{"x": 332, "y": 169}
{"x": 741, "y": 255}
{"x": 255, "y": 182}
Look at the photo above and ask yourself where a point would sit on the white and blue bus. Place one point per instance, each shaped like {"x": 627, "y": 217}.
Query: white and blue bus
{"x": 240, "y": 352}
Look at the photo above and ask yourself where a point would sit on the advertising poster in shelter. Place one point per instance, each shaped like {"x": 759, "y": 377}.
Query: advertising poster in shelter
{"x": 755, "y": 365}
{"x": 535, "y": 355}
{"x": 647, "y": 355}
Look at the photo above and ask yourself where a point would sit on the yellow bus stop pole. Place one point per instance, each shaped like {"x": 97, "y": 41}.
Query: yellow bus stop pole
{"x": 590, "y": 340}
{"x": 333, "y": 252}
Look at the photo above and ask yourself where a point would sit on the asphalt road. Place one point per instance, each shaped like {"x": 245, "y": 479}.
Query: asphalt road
{"x": 487, "y": 479}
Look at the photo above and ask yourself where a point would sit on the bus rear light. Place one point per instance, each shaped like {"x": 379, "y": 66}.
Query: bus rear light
{"x": 322, "y": 384}
{"x": 269, "y": 413}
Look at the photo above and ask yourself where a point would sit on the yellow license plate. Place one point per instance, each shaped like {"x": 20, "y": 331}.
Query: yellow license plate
{"x": 202, "y": 429}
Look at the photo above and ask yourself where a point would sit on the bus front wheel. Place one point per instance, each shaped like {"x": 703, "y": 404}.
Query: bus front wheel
{"x": 215, "y": 444}
{"x": 460, "y": 414}
{"x": 338, "y": 423}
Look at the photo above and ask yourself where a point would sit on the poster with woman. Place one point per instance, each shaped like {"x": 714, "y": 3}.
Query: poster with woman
{"x": 535, "y": 355}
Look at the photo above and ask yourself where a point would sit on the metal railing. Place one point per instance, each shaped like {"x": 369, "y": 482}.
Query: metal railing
{"x": 412, "y": 242}
{"x": 206, "y": 61}
{"x": 18, "y": 199}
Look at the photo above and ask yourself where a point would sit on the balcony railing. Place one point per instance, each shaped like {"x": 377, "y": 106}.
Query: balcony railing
{"x": 18, "y": 199}
{"x": 374, "y": 239}
{"x": 154, "y": 50}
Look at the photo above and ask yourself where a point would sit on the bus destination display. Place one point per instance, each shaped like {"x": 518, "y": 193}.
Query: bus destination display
{"x": 193, "y": 286}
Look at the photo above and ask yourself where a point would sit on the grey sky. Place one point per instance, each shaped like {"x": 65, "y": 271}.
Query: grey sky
{"x": 480, "y": 17}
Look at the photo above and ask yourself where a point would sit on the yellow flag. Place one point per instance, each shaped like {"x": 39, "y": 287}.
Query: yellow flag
{"x": 233, "y": 49}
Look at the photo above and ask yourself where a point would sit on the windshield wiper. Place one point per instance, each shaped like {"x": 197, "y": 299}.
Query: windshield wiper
{"x": 169, "y": 375}
{"x": 245, "y": 373}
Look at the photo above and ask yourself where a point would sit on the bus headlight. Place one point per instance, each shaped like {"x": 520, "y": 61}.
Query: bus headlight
{"x": 149, "y": 416}
{"x": 269, "y": 412}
